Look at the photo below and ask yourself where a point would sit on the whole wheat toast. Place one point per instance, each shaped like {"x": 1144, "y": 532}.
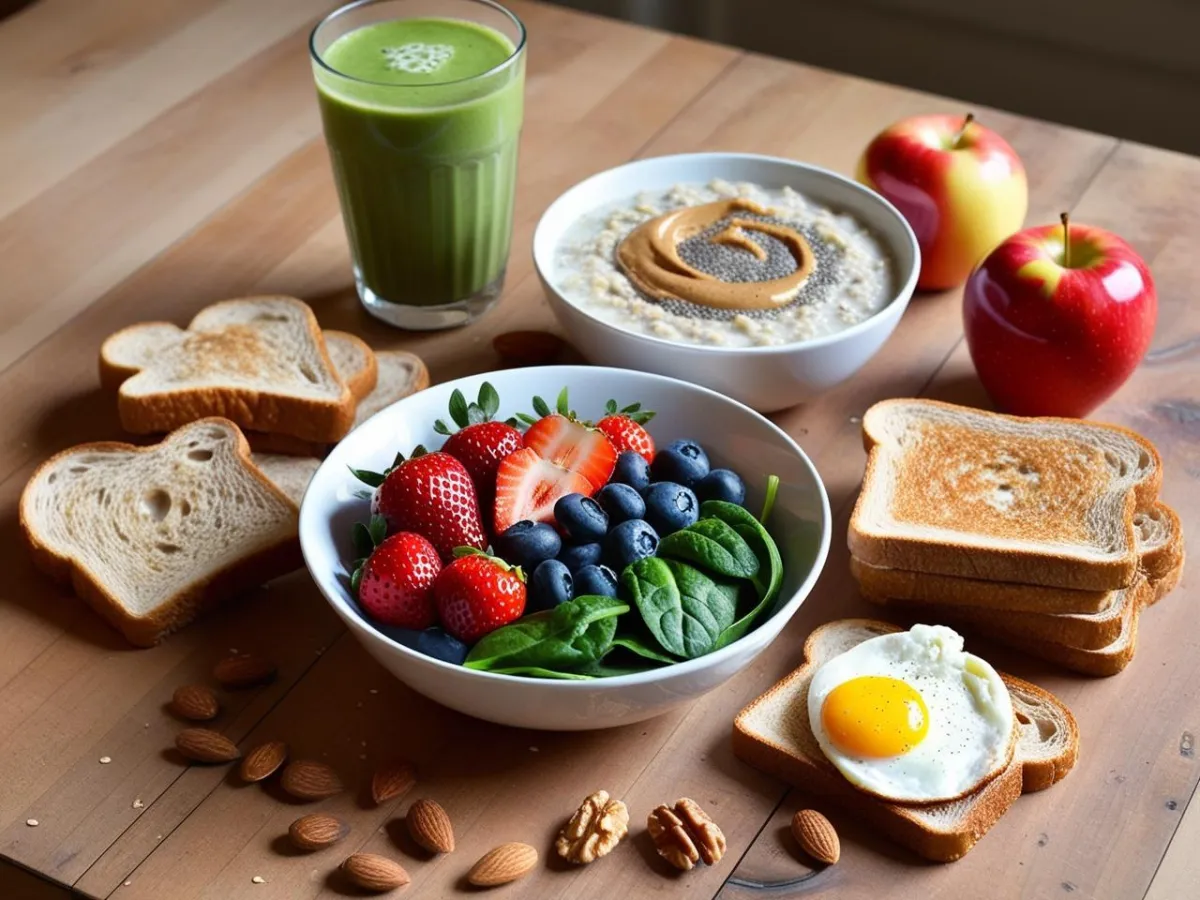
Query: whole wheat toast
{"x": 260, "y": 361}
{"x": 773, "y": 734}
{"x": 152, "y": 536}
{"x": 957, "y": 491}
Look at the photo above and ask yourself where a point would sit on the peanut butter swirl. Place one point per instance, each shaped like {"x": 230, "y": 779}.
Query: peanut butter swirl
{"x": 649, "y": 256}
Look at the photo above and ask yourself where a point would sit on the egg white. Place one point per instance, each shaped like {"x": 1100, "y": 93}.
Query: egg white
{"x": 971, "y": 734}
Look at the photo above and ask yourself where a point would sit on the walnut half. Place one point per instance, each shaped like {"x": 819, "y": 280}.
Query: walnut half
{"x": 595, "y": 828}
{"x": 685, "y": 835}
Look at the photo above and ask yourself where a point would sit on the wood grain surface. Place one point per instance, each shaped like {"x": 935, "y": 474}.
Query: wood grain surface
{"x": 158, "y": 155}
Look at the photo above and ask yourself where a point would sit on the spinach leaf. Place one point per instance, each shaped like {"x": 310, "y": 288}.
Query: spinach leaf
{"x": 684, "y": 609}
{"x": 605, "y": 669}
{"x": 638, "y": 647}
{"x": 770, "y": 575}
{"x": 714, "y": 546}
{"x": 539, "y": 672}
{"x": 573, "y": 633}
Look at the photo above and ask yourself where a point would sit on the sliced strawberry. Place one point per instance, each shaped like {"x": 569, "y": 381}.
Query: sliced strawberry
{"x": 572, "y": 445}
{"x": 527, "y": 487}
{"x": 476, "y": 594}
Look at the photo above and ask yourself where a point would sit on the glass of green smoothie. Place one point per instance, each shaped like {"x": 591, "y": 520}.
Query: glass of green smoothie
{"x": 422, "y": 103}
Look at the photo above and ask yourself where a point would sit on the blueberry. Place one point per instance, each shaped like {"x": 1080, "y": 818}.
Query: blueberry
{"x": 595, "y": 581}
{"x": 526, "y": 544}
{"x": 576, "y": 556}
{"x": 722, "y": 484}
{"x": 683, "y": 462}
{"x": 670, "y": 507}
{"x": 550, "y": 585}
{"x": 581, "y": 518}
{"x": 621, "y": 502}
{"x": 436, "y": 643}
{"x": 633, "y": 470}
{"x": 629, "y": 542}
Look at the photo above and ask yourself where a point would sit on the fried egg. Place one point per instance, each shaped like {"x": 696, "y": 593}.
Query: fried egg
{"x": 910, "y": 717}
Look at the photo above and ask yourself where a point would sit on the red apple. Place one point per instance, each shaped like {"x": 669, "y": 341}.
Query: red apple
{"x": 1057, "y": 318}
{"x": 960, "y": 186}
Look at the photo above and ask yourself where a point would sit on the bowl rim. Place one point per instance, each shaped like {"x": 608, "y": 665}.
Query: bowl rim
{"x": 308, "y": 524}
{"x": 896, "y": 305}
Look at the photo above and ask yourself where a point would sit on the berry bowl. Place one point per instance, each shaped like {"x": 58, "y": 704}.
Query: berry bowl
{"x": 587, "y": 681}
{"x": 866, "y": 265}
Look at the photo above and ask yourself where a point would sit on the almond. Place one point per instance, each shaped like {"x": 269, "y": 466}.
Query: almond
{"x": 195, "y": 702}
{"x": 244, "y": 671}
{"x": 317, "y": 831}
{"x": 506, "y": 863}
{"x": 392, "y": 780}
{"x": 309, "y": 780}
{"x": 816, "y": 836}
{"x": 206, "y": 746}
{"x": 528, "y": 348}
{"x": 263, "y": 761}
{"x": 374, "y": 873}
{"x": 429, "y": 825}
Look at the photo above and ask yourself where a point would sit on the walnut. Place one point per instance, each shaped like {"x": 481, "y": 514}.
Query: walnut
{"x": 686, "y": 835}
{"x": 595, "y": 828}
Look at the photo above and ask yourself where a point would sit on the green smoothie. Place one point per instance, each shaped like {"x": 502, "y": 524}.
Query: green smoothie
{"x": 422, "y": 117}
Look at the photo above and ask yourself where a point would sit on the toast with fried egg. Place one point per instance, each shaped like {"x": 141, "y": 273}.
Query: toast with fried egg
{"x": 956, "y": 491}
{"x": 773, "y": 734}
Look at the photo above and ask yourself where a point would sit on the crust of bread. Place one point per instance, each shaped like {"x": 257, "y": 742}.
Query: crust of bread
{"x": 908, "y": 825}
{"x": 174, "y": 612}
{"x": 362, "y": 380}
{"x": 252, "y": 409}
{"x": 989, "y": 560}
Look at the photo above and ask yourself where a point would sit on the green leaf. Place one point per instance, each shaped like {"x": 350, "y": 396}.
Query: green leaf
{"x": 363, "y": 495}
{"x": 514, "y": 421}
{"x": 527, "y": 418}
{"x": 377, "y": 530}
{"x": 563, "y": 403}
{"x": 770, "y": 575}
{"x": 714, "y": 546}
{"x": 638, "y": 647}
{"x": 364, "y": 544}
{"x": 460, "y": 552}
{"x": 541, "y": 672}
{"x": 610, "y": 408}
{"x": 540, "y": 407}
{"x": 606, "y": 669}
{"x": 769, "y": 502}
{"x": 356, "y": 577}
{"x": 374, "y": 479}
{"x": 397, "y": 460}
{"x": 572, "y": 634}
{"x": 632, "y": 408}
{"x": 683, "y": 608}
{"x": 458, "y": 408}
{"x": 441, "y": 427}
{"x": 475, "y": 414}
{"x": 489, "y": 400}
{"x": 642, "y": 417}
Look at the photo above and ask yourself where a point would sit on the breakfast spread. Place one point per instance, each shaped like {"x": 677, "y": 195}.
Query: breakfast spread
{"x": 723, "y": 264}
{"x": 1044, "y": 534}
{"x": 851, "y": 722}
{"x": 609, "y": 556}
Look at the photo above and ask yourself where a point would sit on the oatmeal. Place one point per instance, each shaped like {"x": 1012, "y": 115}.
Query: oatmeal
{"x": 724, "y": 264}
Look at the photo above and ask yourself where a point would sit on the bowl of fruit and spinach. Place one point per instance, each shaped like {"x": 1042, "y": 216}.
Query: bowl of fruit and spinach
{"x": 565, "y": 547}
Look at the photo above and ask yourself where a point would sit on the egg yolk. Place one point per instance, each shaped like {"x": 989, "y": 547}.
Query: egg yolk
{"x": 875, "y": 716}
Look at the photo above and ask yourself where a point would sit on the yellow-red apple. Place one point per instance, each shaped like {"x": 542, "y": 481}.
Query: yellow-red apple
{"x": 960, "y": 186}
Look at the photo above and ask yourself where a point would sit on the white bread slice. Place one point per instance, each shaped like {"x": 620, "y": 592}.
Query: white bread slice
{"x": 152, "y": 536}
{"x": 291, "y": 474}
{"x": 957, "y": 491}
{"x": 260, "y": 361}
{"x": 773, "y": 734}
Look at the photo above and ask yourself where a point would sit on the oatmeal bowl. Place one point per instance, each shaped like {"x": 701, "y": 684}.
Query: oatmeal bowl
{"x": 765, "y": 279}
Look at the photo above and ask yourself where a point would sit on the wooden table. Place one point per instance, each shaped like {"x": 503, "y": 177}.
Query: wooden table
{"x": 160, "y": 154}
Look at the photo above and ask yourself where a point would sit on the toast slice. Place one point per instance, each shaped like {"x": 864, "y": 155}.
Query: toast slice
{"x": 957, "y": 491}
{"x": 291, "y": 474}
{"x": 398, "y": 374}
{"x": 773, "y": 734}
{"x": 260, "y": 361}
{"x": 152, "y": 536}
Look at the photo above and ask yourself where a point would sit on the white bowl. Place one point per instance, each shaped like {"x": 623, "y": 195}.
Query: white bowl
{"x": 766, "y": 378}
{"x": 733, "y": 435}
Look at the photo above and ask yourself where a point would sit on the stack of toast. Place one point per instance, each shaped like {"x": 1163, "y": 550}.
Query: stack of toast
{"x": 152, "y": 536}
{"x": 774, "y": 734}
{"x": 1046, "y": 535}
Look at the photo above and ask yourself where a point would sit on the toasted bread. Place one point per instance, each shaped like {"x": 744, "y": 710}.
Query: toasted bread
{"x": 291, "y": 474}
{"x": 773, "y": 734}
{"x": 260, "y": 361}
{"x": 150, "y": 537}
{"x": 956, "y": 491}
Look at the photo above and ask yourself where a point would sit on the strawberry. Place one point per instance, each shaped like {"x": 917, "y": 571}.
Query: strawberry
{"x": 623, "y": 428}
{"x": 527, "y": 487}
{"x": 480, "y": 443}
{"x": 477, "y": 593}
{"x": 394, "y": 584}
{"x": 561, "y": 438}
{"x": 431, "y": 494}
